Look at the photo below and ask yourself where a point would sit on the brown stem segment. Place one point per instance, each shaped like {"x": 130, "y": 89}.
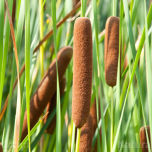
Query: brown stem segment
{"x": 111, "y": 50}
{"x": 82, "y": 71}
{"x": 51, "y": 106}
{"x": 47, "y": 88}
{"x": 143, "y": 138}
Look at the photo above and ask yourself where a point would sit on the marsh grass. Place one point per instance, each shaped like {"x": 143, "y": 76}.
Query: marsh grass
{"x": 125, "y": 108}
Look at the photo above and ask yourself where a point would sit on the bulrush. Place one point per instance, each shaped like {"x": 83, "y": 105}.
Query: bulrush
{"x": 86, "y": 136}
{"x": 111, "y": 50}
{"x": 47, "y": 88}
{"x": 51, "y": 106}
{"x": 143, "y": 138}
{"x": 1, "y": 148}
{"x": 82, "y": 71}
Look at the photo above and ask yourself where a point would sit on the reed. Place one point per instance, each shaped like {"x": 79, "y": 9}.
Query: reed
{"x": 51, "y": 106}
{"x": 111, "y": 50}
{"x": 82, "y": 71}
{"x": 143, "y": 138}
{"x": 46, "y": 88}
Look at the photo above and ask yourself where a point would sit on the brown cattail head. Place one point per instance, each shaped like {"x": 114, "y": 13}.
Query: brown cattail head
{"x": 1, "y": 148}
{"x": 111, "y": 50}
{"x": 86, "y": 136}
{"x": 51, "y": 106}
{"x": 47, "y": 88}
{"x": 82, "y": 71}
{"x": 143, "y": 138}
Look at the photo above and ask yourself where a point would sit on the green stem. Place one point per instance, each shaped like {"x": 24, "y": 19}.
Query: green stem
{"x": 78, "y": 139}
{"x": 27, "y": 63}
{"x": 73, "y": 138}
{"x": 41, "y": 37}
{"x": 112, "y": 120}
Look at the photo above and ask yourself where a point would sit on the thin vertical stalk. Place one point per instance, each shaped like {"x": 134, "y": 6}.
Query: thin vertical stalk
{"x": 73, "y": 138}
{"x": 41, "y": 36}
{"x": 78, "y": 139}
{"x": 1, "y": 40}
{"x": 58, "y": 111}
{"x": 27, "y": 63}
{"x": 83, "y": 7}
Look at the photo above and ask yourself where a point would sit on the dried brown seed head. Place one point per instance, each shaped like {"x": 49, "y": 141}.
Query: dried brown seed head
{"x": 47, "y": 88}
{"x": 111, "y": 50}
{"x": 82, "y": 71}
{"x": 143, "y": 138}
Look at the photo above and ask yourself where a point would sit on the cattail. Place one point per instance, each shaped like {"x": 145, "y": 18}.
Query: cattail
{"x": 86, "y": 136}
{"x": 82, "y": 71}
{"x": 111, "y": 50}
{"x": 47, "y": 88}
{"x": 143, "y": 138}
{"x": 51, "y": 106}
{"x": 1, "y": 148}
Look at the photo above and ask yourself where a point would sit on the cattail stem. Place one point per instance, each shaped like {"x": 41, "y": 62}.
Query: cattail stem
{"x": 112, "y": 119}
{"x": 73, "y": 138}
{"x": 78, "y": 140}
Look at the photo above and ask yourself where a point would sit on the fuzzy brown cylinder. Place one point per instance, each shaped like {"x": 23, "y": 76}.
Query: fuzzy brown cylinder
{"x": 1, "y": 148}
{"x": 47, "y": 88}
{"x": 82, "y": 71}
{"x": 51, "y": 106}
{"x": 111, "y": 50}
{"x": 86, "y": 136}
{"x": 143, "y": 138}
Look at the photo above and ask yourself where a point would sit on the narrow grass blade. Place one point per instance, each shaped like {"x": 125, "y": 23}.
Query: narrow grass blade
{"x": 58, "y": 112}
{"x": 27, "y": 64}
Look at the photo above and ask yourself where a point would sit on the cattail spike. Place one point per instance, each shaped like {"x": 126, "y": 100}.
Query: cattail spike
{"x": 47, "y": 88}
{"x": 111, "y": 50}
{"x": 143, "y": 138}
{"x": 86, "y": 136}
{"x": 82, "y": 71}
